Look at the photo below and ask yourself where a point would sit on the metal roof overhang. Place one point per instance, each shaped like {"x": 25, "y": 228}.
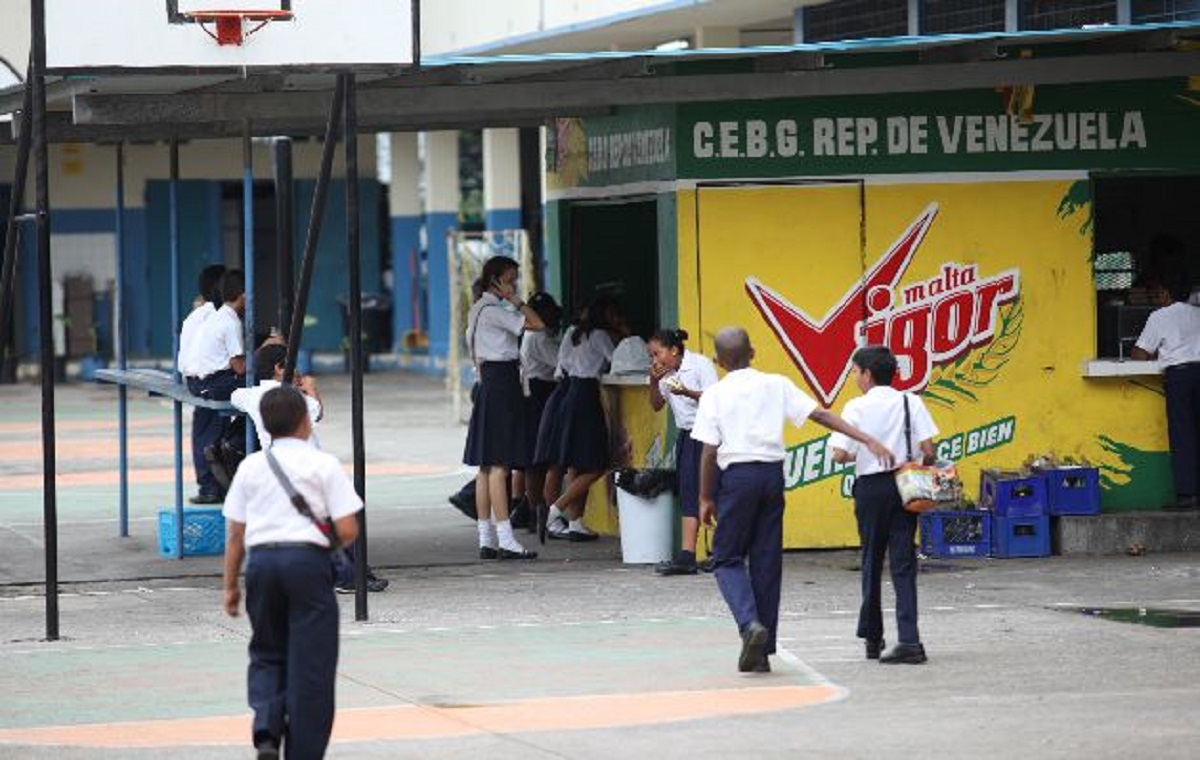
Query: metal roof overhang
{"x": 458, "y": 93}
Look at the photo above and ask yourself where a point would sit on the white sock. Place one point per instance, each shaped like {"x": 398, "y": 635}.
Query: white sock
{"x": 556, "y": 514}
{"x": 508, "y": 541}
{"x": 487, "y": 534}
{"x": 577, "y": 526}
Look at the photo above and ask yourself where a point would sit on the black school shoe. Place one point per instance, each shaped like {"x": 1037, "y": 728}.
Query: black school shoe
{"x": 904, "y": 654}
{"x": 509, "y": 554}
{"x": 874, "y": 649}
{"x": 754, "y": 642}
{"x": 676, "y": 566}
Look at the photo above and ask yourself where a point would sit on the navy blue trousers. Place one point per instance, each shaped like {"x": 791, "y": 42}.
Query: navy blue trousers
{"x": 208, "y": 425}
{"x": 1182, "y": 385}
{"x": 294, "y": 647}
{"x": 885, "y": 527}
{"x": 747, "y": 550}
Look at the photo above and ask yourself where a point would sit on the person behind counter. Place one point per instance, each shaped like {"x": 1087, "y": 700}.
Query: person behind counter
{"x": 885, "y": 527}
{"x": 678, "y": 377}
{"x": 575, "y": 440}
{"x": 496, "y": 442}
{"x": 1172, "y": 337}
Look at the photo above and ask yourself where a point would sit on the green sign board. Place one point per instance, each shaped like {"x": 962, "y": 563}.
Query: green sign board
{"x": 1134, "y": 125}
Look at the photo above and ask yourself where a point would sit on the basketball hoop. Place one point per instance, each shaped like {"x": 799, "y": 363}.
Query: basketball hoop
{"x": 233, "y": 27}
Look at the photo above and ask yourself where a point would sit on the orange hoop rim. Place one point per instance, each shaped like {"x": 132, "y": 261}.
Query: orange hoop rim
{"x": 244, "y": 15}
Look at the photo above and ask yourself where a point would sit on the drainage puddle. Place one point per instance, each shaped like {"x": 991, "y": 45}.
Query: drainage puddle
{"x": 1156, "y": 618}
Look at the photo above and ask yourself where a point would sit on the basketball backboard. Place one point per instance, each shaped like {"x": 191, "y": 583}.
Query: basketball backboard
{"x": 150, "y": 34}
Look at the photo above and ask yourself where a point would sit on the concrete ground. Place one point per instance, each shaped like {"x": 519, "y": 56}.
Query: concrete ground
{"x": 572, "y": 656}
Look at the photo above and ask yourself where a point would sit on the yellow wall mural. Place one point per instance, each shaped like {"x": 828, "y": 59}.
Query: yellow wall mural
{"x": 984, "y": 291}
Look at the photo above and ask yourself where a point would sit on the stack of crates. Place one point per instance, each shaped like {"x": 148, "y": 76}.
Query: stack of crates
{"x": 952, "y": 534}
{"x": 1020, "y": 515}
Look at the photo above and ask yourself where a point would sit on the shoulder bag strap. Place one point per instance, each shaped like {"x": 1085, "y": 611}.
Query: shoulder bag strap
{"x": 907, "y": 430}
{"x": 326, "y": 526}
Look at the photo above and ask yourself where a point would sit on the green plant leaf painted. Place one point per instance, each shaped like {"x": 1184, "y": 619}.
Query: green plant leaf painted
{"x": 954, "y": 382}
{"x": 1078, "y": 199}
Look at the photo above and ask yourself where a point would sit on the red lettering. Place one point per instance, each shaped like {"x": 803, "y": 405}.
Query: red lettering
{"x": 952, "y": 325}
{"x": 908, "y": 337}
{"x": 990, "y": 294}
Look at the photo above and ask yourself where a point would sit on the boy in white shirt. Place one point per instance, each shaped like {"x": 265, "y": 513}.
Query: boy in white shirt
{"x": 289, "y": 589}
{"x": 209, "y": 284}
{"x": 740, "y": 422}
{"x": 884, "y": 526}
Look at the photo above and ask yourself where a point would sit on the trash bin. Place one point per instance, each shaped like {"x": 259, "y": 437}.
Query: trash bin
{"x": 376, "y": 322}
{"x": 646, "y": 510}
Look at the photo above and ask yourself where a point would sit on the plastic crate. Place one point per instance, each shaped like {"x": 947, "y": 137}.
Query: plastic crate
{"x": 1011, "y": 494}
{"x": 956, "y": 533}
{"x": 1073, "y": 490}
{"x": 1020, "y": 536}
{"x": 203, "y": 532}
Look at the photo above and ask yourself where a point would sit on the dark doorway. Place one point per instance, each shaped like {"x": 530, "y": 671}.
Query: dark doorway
{"x": 615, "y": 245}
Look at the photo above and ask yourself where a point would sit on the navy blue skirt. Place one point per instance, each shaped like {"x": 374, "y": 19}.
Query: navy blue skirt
{"x": 540, "y": 393}
{"x": 496, "y": 435}
{"x": 577, "y": 433}
{"x": 687, "y": 471}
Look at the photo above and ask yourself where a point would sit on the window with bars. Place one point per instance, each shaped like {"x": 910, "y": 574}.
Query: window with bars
{"x": 1114, "y": 270}
{"x": 962, "y": 16}
{"x": 1163, "y": 11}
{"x": 855, "y": 19}
{"x": 1040, "y": 15}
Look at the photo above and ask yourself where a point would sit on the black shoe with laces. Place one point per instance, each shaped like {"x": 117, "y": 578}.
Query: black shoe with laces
{"x": 874, "y": 648}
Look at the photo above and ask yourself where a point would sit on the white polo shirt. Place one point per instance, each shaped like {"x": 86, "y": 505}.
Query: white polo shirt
{"x": 539, "y": 355}
{"x": 743, "y": 416}
{"x": 248, "y": 400}
{"x": 187, "y": 337}
{"x": 493, "y": 330}
{"x": 880, "y": 413}
{"x": 591, "y": 357}
{"x": 218, "y": 339}
{"x": 697, "y": 373}
{"x": 257, "y": 499}
{"x": 1174, "y": 332}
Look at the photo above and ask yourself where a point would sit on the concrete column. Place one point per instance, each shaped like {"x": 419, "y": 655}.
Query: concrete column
{"x": 717, "y": 37}
{"x": 798, "y": 25}
{"x": 404, "y": 208}
{"x": 442, "y": 195}
{"x": 501, "y": 179}
{"x": 914, "y": 18}
{"x": 1012, "y": 16}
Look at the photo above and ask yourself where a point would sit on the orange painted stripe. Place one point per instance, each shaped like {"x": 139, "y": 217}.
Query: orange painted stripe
{"x": 407, "y": 722}
{"x": 161, "y": 475}
{"x": 81, "y": 448}
{"x": 15, "y": 428}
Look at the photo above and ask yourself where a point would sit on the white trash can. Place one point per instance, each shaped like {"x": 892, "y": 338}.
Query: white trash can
{"x": 647, "y": 527}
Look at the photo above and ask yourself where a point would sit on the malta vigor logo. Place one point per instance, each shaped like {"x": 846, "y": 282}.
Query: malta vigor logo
{"x": 934, "y": 323}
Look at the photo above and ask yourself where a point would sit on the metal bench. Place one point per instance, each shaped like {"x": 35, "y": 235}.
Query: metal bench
{"x": 157, "y": 382}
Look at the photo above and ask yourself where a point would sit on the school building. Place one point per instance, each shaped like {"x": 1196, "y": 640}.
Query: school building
{"x": 993, "y": 231}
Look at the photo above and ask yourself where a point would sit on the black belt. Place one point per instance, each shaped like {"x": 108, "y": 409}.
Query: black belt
{"x": 289, "y": 545}
{"x": 1184, "y": 365}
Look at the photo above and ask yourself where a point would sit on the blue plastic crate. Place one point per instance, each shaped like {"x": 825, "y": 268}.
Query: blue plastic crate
{"x": 203, "y": 532}
{"x": 1011, "y": 494}
{"x": 1073, "y": 490}
{"x": 1020, "y": 536}
{"x": 956, "y": 533}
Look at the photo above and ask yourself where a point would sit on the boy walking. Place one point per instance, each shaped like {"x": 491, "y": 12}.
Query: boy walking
{"x": 740, "y": 422}
{"x": 289, "y": 586}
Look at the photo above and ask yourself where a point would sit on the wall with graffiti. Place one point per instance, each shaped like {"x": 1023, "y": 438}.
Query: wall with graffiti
{"x": 982, "y": 289}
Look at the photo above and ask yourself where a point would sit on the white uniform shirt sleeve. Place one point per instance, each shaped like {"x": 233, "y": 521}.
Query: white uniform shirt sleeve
{"x": 923, "y": 426}
{"x": 231, "y": 338}
{"x": 1152, "y": 334}
{"x": 797, "y": 405}
{"x": 340, "y": 496}
{"x": 234, "y": 507}
{"x": 503, "y": 319}
{"x": 706, "y": 429}
{"x": 707, "y": 373}
{"x": 242, "y": 398}
{"x": 852, "y": 415}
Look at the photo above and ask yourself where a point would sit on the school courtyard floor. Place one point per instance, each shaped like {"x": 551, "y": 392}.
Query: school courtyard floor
{"x": 573, "y": 656}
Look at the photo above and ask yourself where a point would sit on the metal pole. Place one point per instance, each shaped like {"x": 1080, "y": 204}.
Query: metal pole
{"x": 8, "y": 272}
{"x": 46, "y": 316}
{"x": 178, "y": 406}
{"x": 356, "y": 347}
{"x": 122, "y": 390}
{"x": 248, "y": 267}
{"x": 284, "y": 219}
{"x": 416, "y": 33}
{"x": 295, "y": 332}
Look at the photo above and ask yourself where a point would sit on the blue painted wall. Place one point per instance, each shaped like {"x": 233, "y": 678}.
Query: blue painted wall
{"x": 503, "y": 219}
{"x": 408, "y": 291}
{"x": 437, "y": 225}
